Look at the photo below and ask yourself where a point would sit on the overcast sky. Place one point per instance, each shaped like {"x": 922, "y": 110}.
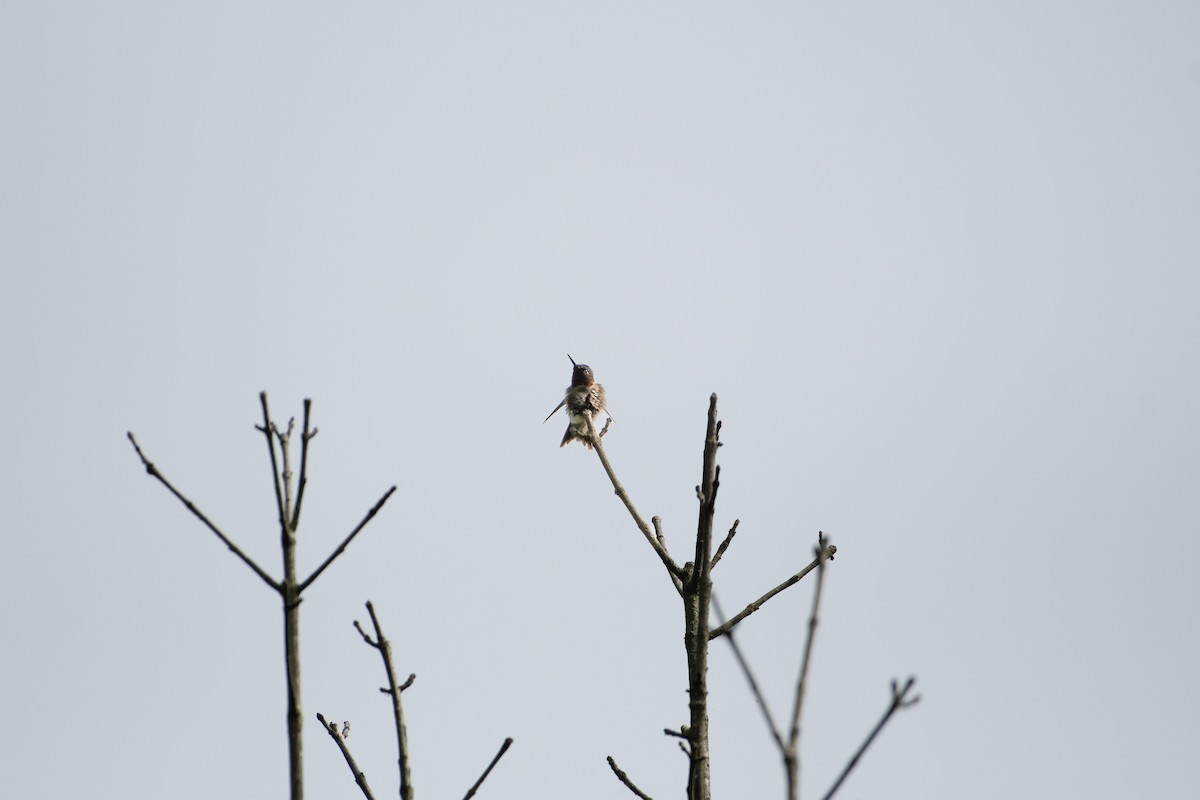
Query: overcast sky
{"x": 939, "y": 262}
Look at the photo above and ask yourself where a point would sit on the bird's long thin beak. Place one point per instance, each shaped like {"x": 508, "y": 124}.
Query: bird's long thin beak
{"x": 561, "y": 403}
{"x": 573, "y": 364}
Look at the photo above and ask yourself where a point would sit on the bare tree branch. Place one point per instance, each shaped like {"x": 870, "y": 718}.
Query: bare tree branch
{"x": 662, "y": 540}
{"x": 285, "y": 457}
{"x": 305, "y": 436}
{"x": 153, "y": 470}
{"x": 385, "y": 651}
{"x": 503, "y": 749}
{"x": 791, "y": 753}
{"x": 359, "y": 776}
{"x": 659, "y": 547}
{"x": 267, "y": 429}
{"x": 623, "y": 778}
{"x": 725, "y": 544}
{"x": 900, "y": 700}
{"x": 750, "y": 679}
{"x": 342, "y": 547}
{"x": 829, "y": 553}
{"x": 697, "y": 597}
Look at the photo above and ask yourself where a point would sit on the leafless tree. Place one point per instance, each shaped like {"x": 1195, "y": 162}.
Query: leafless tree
{"x": 291, "y": 588}
{"x": 693, "y": 582}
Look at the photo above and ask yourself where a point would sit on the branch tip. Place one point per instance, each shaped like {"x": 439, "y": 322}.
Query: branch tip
{"x": 624, "y": 779}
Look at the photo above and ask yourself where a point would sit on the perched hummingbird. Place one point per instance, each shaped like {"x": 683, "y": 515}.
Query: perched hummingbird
{"x": 584, "y": 400}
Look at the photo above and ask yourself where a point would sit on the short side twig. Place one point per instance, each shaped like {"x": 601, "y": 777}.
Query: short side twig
{"x": 503, "y": 749}
{"x": 623, "y": 778}
{"x": 827, "y": 553}
{"x": 342, "y": 547}
{"x": 153, "y": 470}
{"x": 359, "y": 776}
{"x": 725, "y": 543}
{"x": 900, "y": 700}
{"x": 656, "y": 521}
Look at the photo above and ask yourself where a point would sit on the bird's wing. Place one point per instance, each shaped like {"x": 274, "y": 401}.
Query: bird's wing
{"x": 561, "y": 403}
{"x": 600, "y": 400}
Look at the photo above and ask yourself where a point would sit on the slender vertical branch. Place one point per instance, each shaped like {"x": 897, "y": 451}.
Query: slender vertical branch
{"x": 291, "y": 601}
{"x": 285, "y": 454}
{"x": 791, "y": 756}
{"x": 697, "y": 598}
{"x": 306, "y": 435}
{"x": 266, "y": 429}
{"x": 393, "y": 690}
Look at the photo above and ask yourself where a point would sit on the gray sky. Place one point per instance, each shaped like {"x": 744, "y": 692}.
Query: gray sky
{"x": 939, "y": 261}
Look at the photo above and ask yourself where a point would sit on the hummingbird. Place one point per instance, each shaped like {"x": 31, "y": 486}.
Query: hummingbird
{"x": 584, "y": 400}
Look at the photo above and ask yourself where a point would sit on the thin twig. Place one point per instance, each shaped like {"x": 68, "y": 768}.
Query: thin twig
{"x": 725, "y": 544}
{"x": 267, "y": 428}
{"x": 359, "y": 776}
{"x": 153, "y": 470}
{"x": 341, "y": 547}
{"x": 750, "y": 679}
{"x": 385, "y": 651}
{"x": 899, "y": 701}
{"x": 305, "y": 436}
{"x": 503, "y": 749}
{"x": 659, "y": 547}
{"x": 791, "y": 753}
{"x": 285, "y": 457}
{"x": 623, "y": 778}
{"x": 829, "y": 552}
{"x": 662, "y": 540}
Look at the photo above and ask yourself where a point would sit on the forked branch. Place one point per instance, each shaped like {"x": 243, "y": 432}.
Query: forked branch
{"x": 900, "y": 699}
